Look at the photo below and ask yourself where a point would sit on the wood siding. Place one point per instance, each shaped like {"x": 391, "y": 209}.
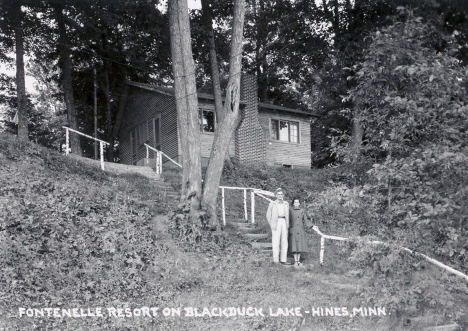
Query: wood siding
{"x": 142, "y": 106}
{"x": 279, "y": 152}
{"x": 207, "y": 138}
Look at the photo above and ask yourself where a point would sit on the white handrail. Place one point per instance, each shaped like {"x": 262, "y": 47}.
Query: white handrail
{"x": 154, "y": 149}
{"x": 67, "y": 142}
{"x": 252, "y": 200}
{"x": 67, "y": 128}
{"x": 323, "y": 236}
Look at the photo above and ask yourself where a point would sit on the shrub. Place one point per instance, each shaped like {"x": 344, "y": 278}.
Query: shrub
{"x": 70, "y": 239}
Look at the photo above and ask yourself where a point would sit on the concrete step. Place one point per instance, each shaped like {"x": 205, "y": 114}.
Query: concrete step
{"x": 426, "y": 320}
{"x": 257, "y": 245}
{"x": 256, "y": 236}
{"x": 243, "y": 225}
{"x": 447, "y": 327}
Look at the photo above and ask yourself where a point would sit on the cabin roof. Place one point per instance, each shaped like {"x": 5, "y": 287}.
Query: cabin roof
{"x": 207, "y": 96}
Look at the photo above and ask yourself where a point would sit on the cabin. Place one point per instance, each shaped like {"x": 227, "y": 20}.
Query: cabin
{"x": 265, "y": 135}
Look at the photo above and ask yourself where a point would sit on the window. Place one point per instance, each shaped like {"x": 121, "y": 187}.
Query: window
{"x": 207, "y": 120}
{"x": 286, "y": 131}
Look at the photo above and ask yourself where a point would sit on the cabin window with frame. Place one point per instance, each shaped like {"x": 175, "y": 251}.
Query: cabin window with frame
{"x": 207, "y": 120}
{"x": 282, "y": 130}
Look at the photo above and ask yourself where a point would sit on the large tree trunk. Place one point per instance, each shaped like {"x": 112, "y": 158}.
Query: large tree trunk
{"x": 215, "y": 77}
{"x": 65, "y": 55}
{"x": 23, "y": 131}
{"x": 186, "y": 102}
{"x": 231, "y": 107}
{"x": 260, "y": 50}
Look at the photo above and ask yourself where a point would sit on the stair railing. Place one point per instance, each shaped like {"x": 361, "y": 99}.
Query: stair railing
{"x": 265, "y": 194}
{"x": 159, "y": 155}
{"x": 253, "y": 192}
{"x": 67, "y": 143}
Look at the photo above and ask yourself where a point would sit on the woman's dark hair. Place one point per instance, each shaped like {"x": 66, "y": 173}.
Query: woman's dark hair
{"x": 295, "y": 198}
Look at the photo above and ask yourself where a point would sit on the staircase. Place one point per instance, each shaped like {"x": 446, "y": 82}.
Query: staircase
{"x": 259, "y": 241}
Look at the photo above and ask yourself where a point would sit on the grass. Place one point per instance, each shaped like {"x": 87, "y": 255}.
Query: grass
{"x": 170, "y": 277}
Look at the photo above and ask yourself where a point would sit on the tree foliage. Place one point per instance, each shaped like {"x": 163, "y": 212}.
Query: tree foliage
{"x": 411, "y": 96}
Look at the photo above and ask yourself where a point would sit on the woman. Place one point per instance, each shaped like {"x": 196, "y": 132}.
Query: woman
{"x": 297, "y": 237}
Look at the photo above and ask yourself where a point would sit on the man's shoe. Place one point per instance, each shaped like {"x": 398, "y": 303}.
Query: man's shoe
{"x": 285, "y": 263}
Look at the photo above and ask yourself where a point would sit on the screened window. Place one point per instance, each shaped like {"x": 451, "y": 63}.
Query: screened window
{"x": 286, "y": 131}
{"x": 207, "y": 120}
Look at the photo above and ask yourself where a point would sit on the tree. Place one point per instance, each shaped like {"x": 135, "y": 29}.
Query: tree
{"x": 186, "y": 102}
{"x": 231, "y": 113}
{"x": 13, "y": 20}
{"x": 67, "y": 69}
{"x": 408, "y": 92}
{"x": 187, "y": 108}
{"x": 214, "y": 69}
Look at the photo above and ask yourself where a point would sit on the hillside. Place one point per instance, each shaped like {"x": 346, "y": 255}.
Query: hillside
{"x": 76, "y": 237}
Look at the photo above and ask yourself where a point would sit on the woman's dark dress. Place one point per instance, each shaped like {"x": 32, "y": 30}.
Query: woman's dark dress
{"x": 297, "y": 238}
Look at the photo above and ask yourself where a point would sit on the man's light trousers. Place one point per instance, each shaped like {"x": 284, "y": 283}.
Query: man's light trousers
{"x": 280, "y": 237}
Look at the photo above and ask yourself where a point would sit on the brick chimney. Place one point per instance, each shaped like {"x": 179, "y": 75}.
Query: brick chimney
{"x": 250, "y": 138}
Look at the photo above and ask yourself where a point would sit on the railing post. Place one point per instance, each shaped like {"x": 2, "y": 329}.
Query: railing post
{"x": 224, "y": 210}
{"x": 160, "y": 163}
{"x": 157, "y": 162}
{"x": 252, "y": 206}
{"x": 147, "y": 152}
{"x": 101, "y": 150}
{"x": 245, "y": 205}
{"x": 67, "y": 141}
{"x": 322, "y": 249}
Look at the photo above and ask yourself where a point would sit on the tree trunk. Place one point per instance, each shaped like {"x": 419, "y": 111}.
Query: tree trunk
{"x": 215, "y": 78}
{"x": 179, "y": 92}
{"x": 208, "y": 21}
{"x": 336, "y": 19}
{"x": 356, "y": 139}
{"x": 260, "y": 51}
{"x": 96, "y": 153}
{"x": 64, "y": 50}
{"x": 231, "y": 107}
{"x": 186, "y": 102}
{"x": 333, "y": 17}
{"x": 120, "y": 113}
{"x": 23, "y": 130}
{"x": 110, "y": 136}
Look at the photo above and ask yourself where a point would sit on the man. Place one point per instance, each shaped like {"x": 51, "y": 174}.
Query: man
{"x": 278, "y": 218}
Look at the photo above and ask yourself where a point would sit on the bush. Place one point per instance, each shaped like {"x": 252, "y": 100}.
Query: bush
{"x": 71, "y": 239}
{"x": 194, "y": 233}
